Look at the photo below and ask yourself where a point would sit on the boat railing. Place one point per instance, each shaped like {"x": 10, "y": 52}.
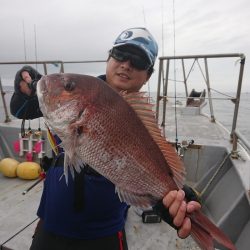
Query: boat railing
{"x": 7, "y": 117}
{"x": 164, "y": 79}
{"x": 52, "y": 62}
{"x": 237, "y": 136}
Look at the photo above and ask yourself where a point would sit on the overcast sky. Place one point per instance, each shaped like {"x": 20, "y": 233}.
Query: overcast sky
{"x": 86, "y": 29}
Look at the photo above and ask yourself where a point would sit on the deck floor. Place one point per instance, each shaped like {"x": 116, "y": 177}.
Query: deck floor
{"x": 193, "y": 125}
{"x": 17, "y": 211}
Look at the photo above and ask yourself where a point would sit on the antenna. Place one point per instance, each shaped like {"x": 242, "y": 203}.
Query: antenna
{"x": 24, "y": 43}
{"x": 175, "y": 97}
{"x": 35, "y": 45}
{"x": 144, "y": 16}
{"x": 145, "y": 24}
{"x": 162, "y": 28}
{"x": 38, "y": 132}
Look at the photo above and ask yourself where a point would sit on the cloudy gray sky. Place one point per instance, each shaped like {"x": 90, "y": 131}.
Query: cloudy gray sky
{"x": 86, "y": 29}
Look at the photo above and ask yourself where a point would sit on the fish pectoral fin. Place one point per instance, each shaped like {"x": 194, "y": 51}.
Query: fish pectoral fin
{"x": 71, "y": 163}
{"x": 141, "y": 200}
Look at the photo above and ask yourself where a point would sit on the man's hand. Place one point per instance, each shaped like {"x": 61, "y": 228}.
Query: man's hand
{"x": 24, "y": 88}
{"x": 178, "y": 208}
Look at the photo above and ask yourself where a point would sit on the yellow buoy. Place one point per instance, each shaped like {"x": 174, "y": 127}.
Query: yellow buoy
{"x": 8, "y": 167}
{"x": 28, "y": 170}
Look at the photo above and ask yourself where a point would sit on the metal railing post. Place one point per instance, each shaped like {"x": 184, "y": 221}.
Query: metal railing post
{"x": 7, "y": 117}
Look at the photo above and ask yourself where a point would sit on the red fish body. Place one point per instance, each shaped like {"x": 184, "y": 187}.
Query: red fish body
{"x": 119, "y": 137}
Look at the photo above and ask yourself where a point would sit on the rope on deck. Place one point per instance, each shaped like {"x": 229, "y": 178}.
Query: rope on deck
{"x": 214, "y": 175}
{"x": 2, "y": 245}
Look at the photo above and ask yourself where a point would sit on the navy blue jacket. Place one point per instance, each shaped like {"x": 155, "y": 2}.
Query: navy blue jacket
{"x": 102, "y": 215}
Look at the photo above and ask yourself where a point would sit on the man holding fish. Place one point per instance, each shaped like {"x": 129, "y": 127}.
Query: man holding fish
{"x": 85, "y": 212}
{"x": 23, "y": 98}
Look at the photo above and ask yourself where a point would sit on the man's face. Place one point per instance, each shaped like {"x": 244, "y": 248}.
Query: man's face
{"x": 124, "y": 76}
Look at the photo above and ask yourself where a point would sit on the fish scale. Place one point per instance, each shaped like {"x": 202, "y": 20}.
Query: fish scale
{"x": 98, "y": 127}
{"x": 125, "y": 151}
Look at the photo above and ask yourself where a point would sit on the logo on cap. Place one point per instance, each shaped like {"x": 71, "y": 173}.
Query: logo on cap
{"x": 125, "y": 35}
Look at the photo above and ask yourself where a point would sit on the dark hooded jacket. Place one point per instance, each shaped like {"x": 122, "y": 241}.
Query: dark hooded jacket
{"x": 23, "y": 106}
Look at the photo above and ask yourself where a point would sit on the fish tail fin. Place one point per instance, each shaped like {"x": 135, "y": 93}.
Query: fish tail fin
{"x": 205, "y": 232}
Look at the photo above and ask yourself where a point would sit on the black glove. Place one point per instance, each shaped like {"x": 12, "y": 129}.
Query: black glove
{"x": 190, "y": 194}
{"x": 163, "y": 212}
{"x": 46, "y": 163}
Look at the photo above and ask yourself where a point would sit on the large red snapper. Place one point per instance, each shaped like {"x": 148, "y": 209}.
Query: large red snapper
{"x": 118, "y": 136}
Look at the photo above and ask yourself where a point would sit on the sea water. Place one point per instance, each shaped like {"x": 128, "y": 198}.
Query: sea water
{"x": 223, "y": 110}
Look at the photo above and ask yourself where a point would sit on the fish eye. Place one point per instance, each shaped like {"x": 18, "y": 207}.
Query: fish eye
{"x": 69, "y": 86}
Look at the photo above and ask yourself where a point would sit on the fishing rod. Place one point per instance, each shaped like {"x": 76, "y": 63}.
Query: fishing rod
{"x": 175, "y": 94}
{"x": 24, "y": 43}
{"x": 42, "y": 177}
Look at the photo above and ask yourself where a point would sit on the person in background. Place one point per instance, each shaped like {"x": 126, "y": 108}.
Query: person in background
{"x": 87, "y": 213}
{"x": 24, "y": 96}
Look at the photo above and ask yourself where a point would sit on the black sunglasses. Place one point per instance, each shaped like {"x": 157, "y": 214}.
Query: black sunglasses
{"x": 136, "y": 61}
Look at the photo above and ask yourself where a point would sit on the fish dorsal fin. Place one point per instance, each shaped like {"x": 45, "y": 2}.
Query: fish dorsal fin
{"x": 144, "y": 109}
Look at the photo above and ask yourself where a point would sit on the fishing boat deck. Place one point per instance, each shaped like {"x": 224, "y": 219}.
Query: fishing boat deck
{"x": 18, "y": 221}
{"x": 17, "y": 211}
{"x": 191, "y": 125}
{"x": 196, "y": 126}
